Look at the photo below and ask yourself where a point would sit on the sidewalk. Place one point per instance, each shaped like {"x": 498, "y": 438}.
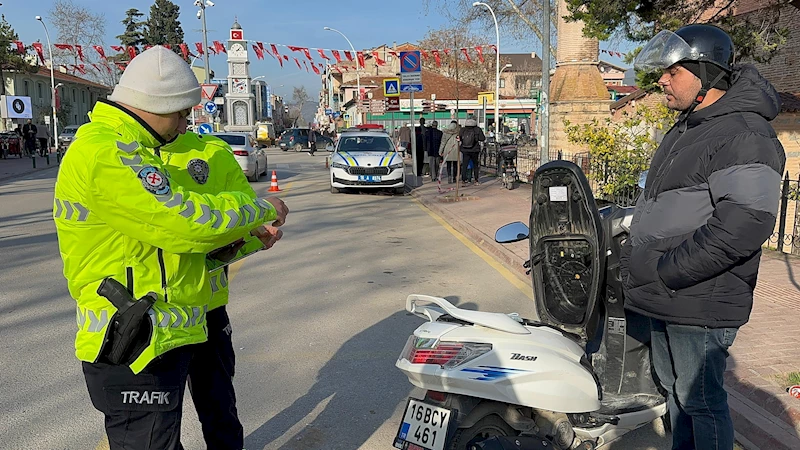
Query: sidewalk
{"x": 765, "y": 416}
{"x": 14, "y": 166}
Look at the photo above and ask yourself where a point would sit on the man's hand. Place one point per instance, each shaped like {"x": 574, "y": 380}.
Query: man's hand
{"x": 268, "y": 235}
{"x": 280, "y": 208}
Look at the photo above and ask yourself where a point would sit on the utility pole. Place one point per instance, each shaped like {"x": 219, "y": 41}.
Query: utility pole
{"x": 545, "y": 104}
{"x": 201, "y": 14}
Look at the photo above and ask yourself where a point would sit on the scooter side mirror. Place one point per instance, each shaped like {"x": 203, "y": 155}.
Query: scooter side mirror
{"x": 513, "y": 232}
{"x": 643, "y": 179}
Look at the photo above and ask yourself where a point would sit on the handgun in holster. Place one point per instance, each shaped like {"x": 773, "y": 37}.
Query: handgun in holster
{"x": 130, "y": 328}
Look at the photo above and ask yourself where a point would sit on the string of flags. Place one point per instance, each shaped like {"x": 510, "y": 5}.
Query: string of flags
{"x": 609, "y": 52}
{"x": 345, "y": 60}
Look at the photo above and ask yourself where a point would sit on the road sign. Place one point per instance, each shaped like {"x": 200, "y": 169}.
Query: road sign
{"x": 208, "y": 91}
{"x": 489, "y": 96}
{"x": 392, "y": 104}
{"x": 205, "y": 128}
{"x": 328, "y": 111}
{"x": 410, "y": 61}
{"x": 336, "y": 114}
{"x": 410, "y": 88}
{"x": 210, "y": 107}
{"x": 377, "y": 106}
{"x": 391, "y": 87}
{"x": 411, "y": 78}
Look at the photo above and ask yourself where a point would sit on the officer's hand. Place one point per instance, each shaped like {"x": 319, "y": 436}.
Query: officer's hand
{"x": 268, "y": 235}
{"x": 281, "y": 209}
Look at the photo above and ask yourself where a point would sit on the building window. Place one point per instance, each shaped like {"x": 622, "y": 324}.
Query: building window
{"x": 39, "y": 87}
{"x": 74, "y": 99}
{"x": 502, "y": 83}
{"x": 27, "y": 88}
{"x": 83, "y": 96}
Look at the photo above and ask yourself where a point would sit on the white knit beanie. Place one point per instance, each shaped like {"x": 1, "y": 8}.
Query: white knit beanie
{"x": 158, "y": 81}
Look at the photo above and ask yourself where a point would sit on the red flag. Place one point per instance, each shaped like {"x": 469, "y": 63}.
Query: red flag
{"x": 305, "y": 64}
{"x": 285, "y": 58}
{"x": 167, "y": 46}
{"x": 424, "y": 53}
{"x": 185, "y": 51}
{"x": 447, "y": 51}
{"x": 298, "y": 63}
{"x": 121, "y": 67}
{"x": 64, "y": 47}
{"x": 322, "y": 53}
{"x": 314, "y": 67}
{"x": 147, "y": 47}
{"x": 275, "y": 51}
{"x": 348, "y": 56}
{"x": 337, "y": 56}
{"x": 378, "y": 59}
{"x": 393, "y": 53}
{"x": 337, "y": 69}
{"x": 479, "y": 49}
{"x": 259, "y": 52}
{"x": 437, "y": 57}
{"x": 199, "y": 48}
{"x": 117, "y": 48}
{"x": 360, "y": 58}
{"x": 20, "y": 47}
{"x": 494, "y": 47}
{"x": 80, "y": 68}
{"x": 132, "y": 51}
{"x": 219, "y": 47}
{"x": 212, "y": 50}
{"x": 463, "y": 50}
{"x": 39, "y": 51}
{"x": 79, "y": 49}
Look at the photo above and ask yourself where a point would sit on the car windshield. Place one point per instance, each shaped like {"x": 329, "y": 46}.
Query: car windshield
{"x": 231, "y": 139}
{"x": 70, "y": 130}
{"x": 365, "y": 144}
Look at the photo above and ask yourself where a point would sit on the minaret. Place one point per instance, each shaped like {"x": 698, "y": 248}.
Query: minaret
{"x": 239, "y": 101}
{"x": 577, "y": 90}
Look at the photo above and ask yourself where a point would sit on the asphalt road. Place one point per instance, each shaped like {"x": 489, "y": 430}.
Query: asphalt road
{"x": 318, "y": 320}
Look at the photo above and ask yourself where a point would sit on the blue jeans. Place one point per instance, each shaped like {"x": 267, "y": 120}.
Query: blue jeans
{"x": 689, "y": 362}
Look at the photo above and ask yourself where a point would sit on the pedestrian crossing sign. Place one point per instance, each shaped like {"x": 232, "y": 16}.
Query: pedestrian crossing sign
{"x": 391, "y": 87}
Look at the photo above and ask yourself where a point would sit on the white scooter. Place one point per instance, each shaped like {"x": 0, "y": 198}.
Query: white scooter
{"x": 577, "y": 378}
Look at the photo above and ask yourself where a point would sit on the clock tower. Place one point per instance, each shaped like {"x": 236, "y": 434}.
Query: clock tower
{"x": 239, "y": 100}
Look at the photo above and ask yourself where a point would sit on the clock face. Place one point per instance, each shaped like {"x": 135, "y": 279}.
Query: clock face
{"x": 237, "y": 50}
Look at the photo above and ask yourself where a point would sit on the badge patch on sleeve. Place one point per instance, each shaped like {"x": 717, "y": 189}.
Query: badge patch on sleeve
{"x": 198, "y": 169}
{"x": 154, "y": 181}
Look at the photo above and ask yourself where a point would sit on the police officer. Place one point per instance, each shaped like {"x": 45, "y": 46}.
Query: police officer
{"x": 205, "y": 164}
{"x": 134, "y": 244}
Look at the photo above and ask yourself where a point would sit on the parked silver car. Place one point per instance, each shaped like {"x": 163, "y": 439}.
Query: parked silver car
{"x": 251, "y": 158}
{"x": 67, "y": 136}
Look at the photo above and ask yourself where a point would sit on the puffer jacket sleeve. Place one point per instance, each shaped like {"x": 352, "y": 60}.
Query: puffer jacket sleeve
{"x": 744, "y": 183}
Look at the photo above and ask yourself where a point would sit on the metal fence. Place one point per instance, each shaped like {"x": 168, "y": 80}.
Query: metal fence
{"x": 786, "y": 237}
{"x": 529, "y": 159}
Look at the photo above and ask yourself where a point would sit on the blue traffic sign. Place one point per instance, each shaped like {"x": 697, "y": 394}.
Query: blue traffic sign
{"x": 205, "y": 128}
{"x": 391, "y": 87}
{"x": 410, "y": 88}
{"x": 328, "y": 112}
{"x": 210, "y": 107}
{"x": 410, "y": 61}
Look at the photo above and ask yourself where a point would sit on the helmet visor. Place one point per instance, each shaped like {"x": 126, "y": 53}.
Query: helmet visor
{"x": 664, "y": 50}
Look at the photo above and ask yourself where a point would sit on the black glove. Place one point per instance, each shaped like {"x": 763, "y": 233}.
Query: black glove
{"x": 227, "y": 252}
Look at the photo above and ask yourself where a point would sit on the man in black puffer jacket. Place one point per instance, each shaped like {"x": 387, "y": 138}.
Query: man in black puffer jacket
{"x": 709, "y": 203}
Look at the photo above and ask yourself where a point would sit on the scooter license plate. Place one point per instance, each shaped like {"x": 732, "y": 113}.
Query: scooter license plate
{"x": 424, "y": 427}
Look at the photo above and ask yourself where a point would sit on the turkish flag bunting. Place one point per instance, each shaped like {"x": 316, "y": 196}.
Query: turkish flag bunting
{"x": 259, "y": 52}
{"x": 298, "y": 63}
{"x": 185, "y": 51}
{"x": 424, "y": 54}
{"x": 116, "y": 48}
{"x": 64, "y": 47}
{"x": 121, "y": 67}
{"x": 494, "y": 47}
{"x": 263, "y": 50}
{"x": 314, "y": 68}
{"x": 300, "y": 49}
{"x": 79, "y": 50}
{"x": 132, "y": 51}
{"x": 220, "y": 47}
{"x": 147, "y": 47}
{"x": 337, "y": 56}
{"x": 337, "y": 69}
{"x": 479, "y": 49}
{"x": 360, "y": 58}
{"x": 437, "y": 57}
{"x": 80, "y": 68}
{"x": 212, "y": 50}
{"x": 275, "y": 51}
{"x": 168, "y": 46}
{"x": 393, "y": 53}
{"x": 447, "y": 51}
{"x": 20, "y": 47}
{"x": 466, "y": 53}
{"x": 322, "y": 53}
{"x": 39, "y": 51}
{"x": 199, "y": 48}
{"x": 305, "y": 64}
{"x": 378, "y": 59}
{"x": 348, "y": 56}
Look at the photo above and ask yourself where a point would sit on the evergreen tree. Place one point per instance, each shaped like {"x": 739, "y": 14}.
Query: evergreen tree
{"x": 9, "y": 58}
{"x": 163, "y": 26}
{"x": 134, "y": 28}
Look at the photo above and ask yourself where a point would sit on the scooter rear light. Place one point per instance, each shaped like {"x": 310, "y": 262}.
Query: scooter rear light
{"x": 240, "y": 153}
{"x": 437, "y": 396}
{"x": 446, "y": 354}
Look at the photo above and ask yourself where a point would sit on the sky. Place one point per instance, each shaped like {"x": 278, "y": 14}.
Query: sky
{"x": 367, "y": 23}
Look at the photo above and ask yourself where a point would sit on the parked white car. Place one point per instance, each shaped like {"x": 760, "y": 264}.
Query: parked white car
{"x": 251, "y": 158}
{"x": 366, "y": 160}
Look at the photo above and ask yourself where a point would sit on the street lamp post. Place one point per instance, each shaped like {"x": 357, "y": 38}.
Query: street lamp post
{"x": 52, "y": 82}
{"x": 497, "y": 72}
{"x": 201, "y": 14}
{"x": 358, "y": 78}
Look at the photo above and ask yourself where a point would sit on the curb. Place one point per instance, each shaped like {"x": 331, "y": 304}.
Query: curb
{"x": 22, "y": 174}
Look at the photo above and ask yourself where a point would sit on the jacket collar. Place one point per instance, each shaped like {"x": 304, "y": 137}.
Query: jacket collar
{"x": 125, "y": 122}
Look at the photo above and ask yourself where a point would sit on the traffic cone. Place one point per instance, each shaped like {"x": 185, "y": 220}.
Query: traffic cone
{"x": 274, "y": 185}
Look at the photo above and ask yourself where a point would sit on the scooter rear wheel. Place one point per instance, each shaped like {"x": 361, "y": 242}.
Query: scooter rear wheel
{"x": 491, "y": 425}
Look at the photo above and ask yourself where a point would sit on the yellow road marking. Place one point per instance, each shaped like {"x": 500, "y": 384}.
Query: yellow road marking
{"x": 496, "y": 265}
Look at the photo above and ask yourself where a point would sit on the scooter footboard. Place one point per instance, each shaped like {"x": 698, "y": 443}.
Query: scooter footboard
{"x": 514, "y": 443}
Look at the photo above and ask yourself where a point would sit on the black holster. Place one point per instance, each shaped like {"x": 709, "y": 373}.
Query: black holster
{"x": 130, "y": 329}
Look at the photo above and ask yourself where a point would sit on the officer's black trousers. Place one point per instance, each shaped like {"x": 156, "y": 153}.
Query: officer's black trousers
{"x": 211, "y": 385}
{"x": 143, "y": 411}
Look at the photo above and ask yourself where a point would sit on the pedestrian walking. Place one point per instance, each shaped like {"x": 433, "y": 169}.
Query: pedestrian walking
{"x": 404, "y": 136}
{"x": 433, "y": 144}
{"x": 312, "y": 141}
{"x": 470, "y": 137}
{"x": 135, "y": 242}
{"x": 421, "y": 135}
{"x": 43, "y": 136}
{"x": 29, "y": 131}
{"x": 709, "y": 203}
{"x": 448, "y": 150}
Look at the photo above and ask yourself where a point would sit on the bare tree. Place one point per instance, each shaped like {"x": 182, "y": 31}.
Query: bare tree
{"x": 77, "y": 25}
{"x": 452, "y": 64}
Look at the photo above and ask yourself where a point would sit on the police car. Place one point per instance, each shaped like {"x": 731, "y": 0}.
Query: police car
{"x": 366, "y": 158}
